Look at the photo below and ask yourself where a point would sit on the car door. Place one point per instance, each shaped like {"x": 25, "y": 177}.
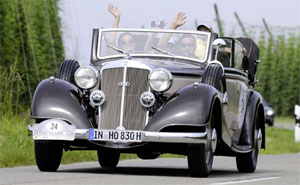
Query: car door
{"x": 237, "y": 92}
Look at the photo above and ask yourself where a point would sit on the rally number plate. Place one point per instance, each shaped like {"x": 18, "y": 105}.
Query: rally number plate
{"x": 53, "y": 129}
{"x": 124, "y": 136}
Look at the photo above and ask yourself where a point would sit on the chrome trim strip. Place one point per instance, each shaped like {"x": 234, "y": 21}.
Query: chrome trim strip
{"x": 81, "y": 133}
{"x": 160, "y": 137}
{"x": 147, "y": 118}
{"x": 120, "y": 127}
{"x": 99, "y": 116}
{"x": 154, "y": 30}
{"x": 130, "y": 63}
{"x": 171, "y": 137}
{"x": 147, "y": 113}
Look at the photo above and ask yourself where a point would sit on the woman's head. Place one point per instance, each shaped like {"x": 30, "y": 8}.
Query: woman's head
{"x": 126, "y": 42}
{"x": 188, "y": 45}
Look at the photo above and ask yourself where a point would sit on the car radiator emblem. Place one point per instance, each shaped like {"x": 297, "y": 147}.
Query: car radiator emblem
{"x": 127, "y": 84}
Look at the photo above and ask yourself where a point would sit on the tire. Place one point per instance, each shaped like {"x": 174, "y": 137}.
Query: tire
{"x": 108, "y": 158}
{"x": 213, "y": 75}
{"x": 67, "y": 70}
{"x": 200, "y": 156}
{"x": 246, "y": 163}
{"x": 147, "y": 155}
{"x": 48, "y": 155}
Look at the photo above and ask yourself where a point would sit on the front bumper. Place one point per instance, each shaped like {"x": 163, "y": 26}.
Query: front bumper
{"x": 146, "y": 136}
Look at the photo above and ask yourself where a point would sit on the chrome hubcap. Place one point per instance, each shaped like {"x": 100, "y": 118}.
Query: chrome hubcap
{"x": 213, "y": 141}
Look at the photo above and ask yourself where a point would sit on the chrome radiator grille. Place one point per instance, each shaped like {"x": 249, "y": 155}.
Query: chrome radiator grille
{"x": 134, "y": 116}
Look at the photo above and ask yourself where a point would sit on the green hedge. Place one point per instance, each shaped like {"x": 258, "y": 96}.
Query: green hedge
{"x": 31, "y": 41}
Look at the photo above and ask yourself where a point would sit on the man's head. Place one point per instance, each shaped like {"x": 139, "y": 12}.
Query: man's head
{"x": 126, "y": 42}
{"x": 188, "y": 45}
{"x": 205, "y": 26}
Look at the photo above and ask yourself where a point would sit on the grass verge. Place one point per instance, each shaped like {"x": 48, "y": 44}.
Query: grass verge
{"x": 280, "y": 141}
{"x": 284, "y": 120}
{"x": 16, "y": 148}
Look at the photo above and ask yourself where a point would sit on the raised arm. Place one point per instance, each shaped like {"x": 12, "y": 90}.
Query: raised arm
{"x": 179, "y": 20}
{"x": 149, "y": 42}
{"x": 117, "y": 14}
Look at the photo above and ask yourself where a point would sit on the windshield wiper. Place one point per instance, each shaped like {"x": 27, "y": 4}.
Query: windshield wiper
{"x": 120, "y": 51}
{"x": 116, "y": 49}
{"x": 162, "y": 51}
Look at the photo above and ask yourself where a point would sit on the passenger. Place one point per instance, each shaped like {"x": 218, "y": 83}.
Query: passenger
{"x": 188, "y": 46}
{"x": 126, "y": 41}
{"x": 205, "y": 26}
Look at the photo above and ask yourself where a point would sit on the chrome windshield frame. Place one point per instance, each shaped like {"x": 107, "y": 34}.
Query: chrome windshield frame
{"x": 192, "y": 61}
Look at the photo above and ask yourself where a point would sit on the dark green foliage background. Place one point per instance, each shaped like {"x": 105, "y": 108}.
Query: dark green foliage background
{"x": 30, "y": 47}
{"x": 279, "y": 72}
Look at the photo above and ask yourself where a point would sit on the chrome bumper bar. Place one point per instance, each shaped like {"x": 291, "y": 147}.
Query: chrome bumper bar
{"x": 161, "y": 137}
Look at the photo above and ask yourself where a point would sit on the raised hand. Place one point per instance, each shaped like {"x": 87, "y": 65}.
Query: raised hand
{"x": 113, "y": 10}
{"x": 179, "y": 20}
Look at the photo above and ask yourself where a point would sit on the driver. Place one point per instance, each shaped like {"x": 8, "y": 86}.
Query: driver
{"x": 126, "y": 42}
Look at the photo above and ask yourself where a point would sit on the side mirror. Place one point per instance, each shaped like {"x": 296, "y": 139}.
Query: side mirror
{"x": 217, "y": 44}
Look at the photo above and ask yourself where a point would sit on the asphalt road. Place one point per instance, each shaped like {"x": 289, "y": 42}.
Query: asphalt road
{"x": 271, "y": 169}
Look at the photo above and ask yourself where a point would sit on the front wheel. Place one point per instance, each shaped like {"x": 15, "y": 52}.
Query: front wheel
{"x": 108, "y": 158}
{"x": 200, "y": 156}
{"x": 48, "y": 155}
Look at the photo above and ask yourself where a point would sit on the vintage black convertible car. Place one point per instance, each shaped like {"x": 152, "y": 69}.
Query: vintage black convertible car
{"x": 152, "y": 92}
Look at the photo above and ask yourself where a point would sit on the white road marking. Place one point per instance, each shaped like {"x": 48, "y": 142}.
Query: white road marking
{"x": 246, "y": 181}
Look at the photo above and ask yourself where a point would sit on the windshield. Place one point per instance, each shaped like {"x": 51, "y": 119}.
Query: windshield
{"x": 151, "y": 42}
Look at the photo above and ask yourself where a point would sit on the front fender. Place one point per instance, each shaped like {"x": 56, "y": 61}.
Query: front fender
{"x": 255, "y": 106}
{"x": 61, "y": 100}
{"x": 188, "y": 106}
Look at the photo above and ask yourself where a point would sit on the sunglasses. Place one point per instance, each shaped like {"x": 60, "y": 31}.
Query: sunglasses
{"x": 127, "y": 42}
{"x": 190, "y": 45}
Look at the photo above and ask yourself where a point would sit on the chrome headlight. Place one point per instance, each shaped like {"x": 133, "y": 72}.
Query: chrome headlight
{"x": 86, "y": 77}
{"x": 160, "y": 80}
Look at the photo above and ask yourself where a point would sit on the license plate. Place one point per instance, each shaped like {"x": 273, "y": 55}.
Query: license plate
{"x": 124, "y": 136}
